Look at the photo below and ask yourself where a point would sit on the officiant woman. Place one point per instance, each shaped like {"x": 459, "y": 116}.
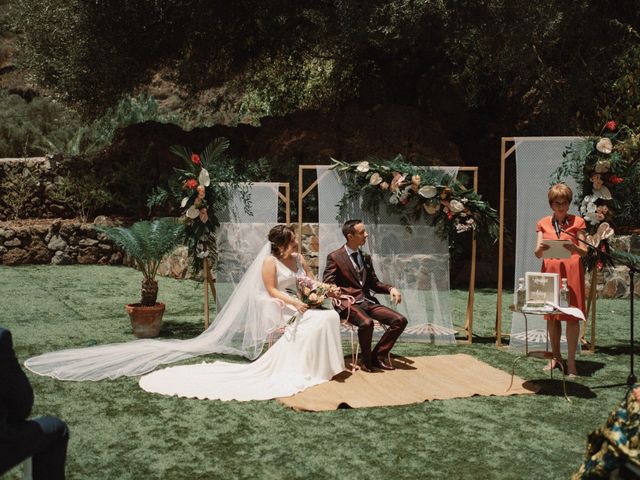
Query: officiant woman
{"x": 563, "y": 226}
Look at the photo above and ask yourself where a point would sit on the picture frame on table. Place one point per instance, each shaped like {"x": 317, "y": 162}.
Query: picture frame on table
{"x": 542, "y": 288}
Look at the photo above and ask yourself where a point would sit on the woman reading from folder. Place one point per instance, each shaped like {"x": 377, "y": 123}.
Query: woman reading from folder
{"x": 562, "y": 226}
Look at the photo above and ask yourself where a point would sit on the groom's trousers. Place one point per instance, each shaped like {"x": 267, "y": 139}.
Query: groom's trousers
{"x": 362, "y": 315}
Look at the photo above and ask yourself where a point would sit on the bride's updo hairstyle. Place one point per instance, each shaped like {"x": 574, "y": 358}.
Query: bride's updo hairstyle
{"x": 280, "y": 236}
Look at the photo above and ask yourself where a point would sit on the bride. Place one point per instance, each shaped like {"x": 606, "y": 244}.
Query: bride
{"x": 308, "y": 353}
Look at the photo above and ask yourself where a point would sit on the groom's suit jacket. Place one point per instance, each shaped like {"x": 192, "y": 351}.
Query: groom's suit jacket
{"x": 341, "y": 272}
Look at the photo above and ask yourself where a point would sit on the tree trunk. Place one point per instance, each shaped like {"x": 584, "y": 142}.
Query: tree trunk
{"x": 149, "y": 292}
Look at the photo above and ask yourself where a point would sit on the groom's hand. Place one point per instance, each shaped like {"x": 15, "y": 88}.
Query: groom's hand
{"x": 396, "y": 296}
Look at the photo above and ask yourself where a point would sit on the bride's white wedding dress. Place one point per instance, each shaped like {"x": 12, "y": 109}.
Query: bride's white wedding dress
{"x": 308, "y": 353}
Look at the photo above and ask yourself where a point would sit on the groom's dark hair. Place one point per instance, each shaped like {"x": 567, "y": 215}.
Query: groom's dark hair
{"x": 349, "y": 227}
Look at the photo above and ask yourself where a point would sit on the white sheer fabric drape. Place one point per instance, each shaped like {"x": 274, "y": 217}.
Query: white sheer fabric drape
{"x": 242, "y": 234}
{"x": 536, "y": 160}
{"x": 240, "y": 328}
{"x": 415, "y": 261}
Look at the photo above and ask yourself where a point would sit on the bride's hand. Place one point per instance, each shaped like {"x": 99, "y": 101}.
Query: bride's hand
{"x": 301, "y": 306}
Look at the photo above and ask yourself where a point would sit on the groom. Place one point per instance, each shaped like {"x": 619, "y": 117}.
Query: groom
{"x": 352, "y": 271}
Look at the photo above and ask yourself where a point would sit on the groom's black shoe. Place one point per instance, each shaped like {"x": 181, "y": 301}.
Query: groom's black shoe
{"x": 367, "y": 367}
{"x": 384, "y": 364}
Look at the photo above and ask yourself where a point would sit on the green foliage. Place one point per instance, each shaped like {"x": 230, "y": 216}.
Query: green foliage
{"x": 83, "y": 192}
{"x": 147, "y": 242}
{"x": 44, "y": 126}
{"x": 540, "y": 64}
{"x": 17, "y": 189}
{"x": 623, "y": 102}
{"x": 26, "y": 127}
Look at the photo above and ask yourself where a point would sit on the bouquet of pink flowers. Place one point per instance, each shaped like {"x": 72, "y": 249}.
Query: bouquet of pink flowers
{"x": 312, "y": 292}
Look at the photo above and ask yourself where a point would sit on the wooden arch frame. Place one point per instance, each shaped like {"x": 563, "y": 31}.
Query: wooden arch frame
{"x": 507, "y": 149}
{"x": 284, "y": 195}
{"x": 468, "y": 325}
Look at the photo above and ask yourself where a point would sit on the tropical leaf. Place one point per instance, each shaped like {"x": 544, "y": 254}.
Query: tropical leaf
{"x": 147, "y": 242}
{"x": 214, "y": 151}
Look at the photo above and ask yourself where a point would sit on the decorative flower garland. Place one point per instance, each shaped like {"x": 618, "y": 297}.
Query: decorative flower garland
{"x": 418, "y": 193}
{"x": 200, "y": 196}
{"x": 606, "y": 171}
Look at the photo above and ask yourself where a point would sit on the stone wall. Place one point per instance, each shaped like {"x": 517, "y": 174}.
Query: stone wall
{"x": 56, "y": 242}
{"x": 614, "y": 282}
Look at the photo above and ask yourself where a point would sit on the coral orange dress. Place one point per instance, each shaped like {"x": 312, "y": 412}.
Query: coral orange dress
{"x": 570, "y": 268}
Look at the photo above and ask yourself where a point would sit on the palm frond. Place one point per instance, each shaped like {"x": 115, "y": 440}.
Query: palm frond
{"x": 183, "y": 152}
{"x": 214, "y": 150}
{"x": 147, "y": 242}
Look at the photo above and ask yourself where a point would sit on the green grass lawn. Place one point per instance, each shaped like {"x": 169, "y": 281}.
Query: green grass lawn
{"x": 119, "y": 431}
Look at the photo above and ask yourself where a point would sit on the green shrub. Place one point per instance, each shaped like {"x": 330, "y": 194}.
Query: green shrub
{"x": 82, "y": 193}
{"x": 17, "y": 189}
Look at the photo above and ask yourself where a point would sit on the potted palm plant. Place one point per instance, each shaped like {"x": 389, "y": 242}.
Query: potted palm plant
{"x": 147, "y": 243}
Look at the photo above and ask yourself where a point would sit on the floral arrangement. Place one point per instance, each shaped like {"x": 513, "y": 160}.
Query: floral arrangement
{"x": 199, "y": 196}
{"x": 605, "y": 168}
{"x": 311, "y": 292}
{"x": 417, "y": 193}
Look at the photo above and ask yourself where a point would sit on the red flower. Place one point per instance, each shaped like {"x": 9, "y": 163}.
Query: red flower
{"x": 599, "y": 265}
{"x": 611, "y": 125}
{"x": 195, "y": 158}
{"x": 449, "y": 215}
{"x": 191, "y": 183}
{"x": 614, "y": 179}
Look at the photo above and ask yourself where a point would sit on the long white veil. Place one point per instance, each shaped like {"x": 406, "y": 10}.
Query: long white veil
{"x": 240, "y": 328}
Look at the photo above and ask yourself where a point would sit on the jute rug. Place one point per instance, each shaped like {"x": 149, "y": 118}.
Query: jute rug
{"x": 415, "y": 380}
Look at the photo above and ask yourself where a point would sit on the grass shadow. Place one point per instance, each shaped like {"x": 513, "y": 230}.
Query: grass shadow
{"x": 615, "y": 350}
{"x": 587, "y": 368}
{"x": 552, "y": 387}
{"x": 183, "y": 330}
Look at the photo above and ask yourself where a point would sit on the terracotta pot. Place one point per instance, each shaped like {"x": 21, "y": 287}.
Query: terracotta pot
{"x": 145, "y": 321}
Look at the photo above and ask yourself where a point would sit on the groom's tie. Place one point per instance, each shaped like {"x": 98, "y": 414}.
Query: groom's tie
{"x": 354, "y": 255}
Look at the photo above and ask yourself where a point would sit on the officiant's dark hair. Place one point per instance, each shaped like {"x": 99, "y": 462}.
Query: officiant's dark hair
{"x": 280, "y": 236}
{"x": 349, "y": 227}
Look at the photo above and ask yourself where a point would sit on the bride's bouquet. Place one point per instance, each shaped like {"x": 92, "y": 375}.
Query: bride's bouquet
{"x": 312, "y": 292}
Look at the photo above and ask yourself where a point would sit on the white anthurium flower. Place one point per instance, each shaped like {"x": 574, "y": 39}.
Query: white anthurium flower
{"x": 431, "y": 208}
{"x": 192, "y": 212}
{"x": 394, "y": 199}
{"x": 603, "y": 192}
{"x": 375, "y": 179}
{"x": 203, "y": 178}
{"x": 604, "y": 145}
{"x": 184, "y": 201}
{"x": 456, "y": 206}
{"x": 428, "y": 191}
{"x": 592, "y": 217}
{"x": 363, "y": 167}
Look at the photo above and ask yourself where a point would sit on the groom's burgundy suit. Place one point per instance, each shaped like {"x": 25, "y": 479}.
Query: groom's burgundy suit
{"x": 359, "y": 283}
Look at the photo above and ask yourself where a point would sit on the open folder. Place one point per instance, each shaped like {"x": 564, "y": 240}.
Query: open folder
{"x": 556, "y": 249}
